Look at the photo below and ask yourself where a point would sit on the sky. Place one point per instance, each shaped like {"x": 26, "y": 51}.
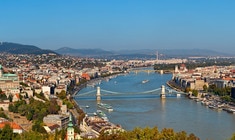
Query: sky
{"x": 120, "y": 24}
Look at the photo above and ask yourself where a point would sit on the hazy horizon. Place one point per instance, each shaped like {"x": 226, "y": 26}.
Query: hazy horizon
{"x": 120, "y": 25}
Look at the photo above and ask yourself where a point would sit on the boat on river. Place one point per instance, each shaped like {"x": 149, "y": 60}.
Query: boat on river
{"x": 145, "y": 81}
{"x": 102, "y": 115}
{"x": 231, "y": 110}
{"x": 105, "y": 106}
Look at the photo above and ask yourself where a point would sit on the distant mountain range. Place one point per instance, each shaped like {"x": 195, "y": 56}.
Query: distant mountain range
{"x": 15, "y": 48}
{"x": 83, "y": 52}
{"x": 143, "y": 53}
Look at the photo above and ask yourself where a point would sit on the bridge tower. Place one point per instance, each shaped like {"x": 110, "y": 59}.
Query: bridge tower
{"x": 163, "y": 95}
{"x": 161, "y": 71}
{"x": 98, "y": 96}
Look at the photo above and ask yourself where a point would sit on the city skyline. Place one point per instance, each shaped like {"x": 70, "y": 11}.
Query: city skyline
{"x": 119, "y": 25}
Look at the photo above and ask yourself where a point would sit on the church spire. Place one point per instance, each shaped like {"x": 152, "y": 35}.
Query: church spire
{"x": 70, "y": 121}
{"x": 70, "y": 129}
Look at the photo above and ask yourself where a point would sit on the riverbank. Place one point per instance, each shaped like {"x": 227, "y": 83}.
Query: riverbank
{"x": 212, "y": 101}
{"x": 149, "y": 111}
{"x": 77, "y": 112}
{"x": 172, "y": 85}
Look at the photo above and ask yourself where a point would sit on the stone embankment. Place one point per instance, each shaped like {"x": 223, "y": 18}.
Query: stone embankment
{"x": 174, "y": 86}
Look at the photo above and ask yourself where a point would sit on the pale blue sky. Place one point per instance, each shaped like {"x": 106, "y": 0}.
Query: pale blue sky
{"x": 120, "y": 24}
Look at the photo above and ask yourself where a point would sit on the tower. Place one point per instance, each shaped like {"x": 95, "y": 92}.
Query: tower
{"x": 176, "y": 69}
{"x": 98, "y": 96}
{"x": 70, "y": 129}
{"x": 156, "y": 61}
{"x": 163, "y": 92}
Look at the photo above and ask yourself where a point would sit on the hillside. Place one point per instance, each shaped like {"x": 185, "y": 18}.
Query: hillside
{"x": 15, "y": 48}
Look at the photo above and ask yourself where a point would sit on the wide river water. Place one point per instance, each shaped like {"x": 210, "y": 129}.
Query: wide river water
{"x": 138, "y": 108}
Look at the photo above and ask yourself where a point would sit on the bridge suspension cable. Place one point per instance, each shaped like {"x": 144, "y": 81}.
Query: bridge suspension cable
{"x": 121, "y": 93}
{"x": 86, "y": 93}
{"x": 104, "y": 92}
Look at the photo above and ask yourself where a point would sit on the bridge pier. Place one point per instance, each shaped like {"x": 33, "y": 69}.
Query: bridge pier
{"x": 98, "y": 95}
{"x": 163, "y": 95}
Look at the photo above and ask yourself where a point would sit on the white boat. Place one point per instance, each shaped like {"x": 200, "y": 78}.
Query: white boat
{"x": 105, "y": 106}
{"x": 145, "y": 81}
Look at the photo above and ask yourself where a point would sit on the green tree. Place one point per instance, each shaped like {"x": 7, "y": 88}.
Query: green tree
{"x": 227, "y": 98}
{"x": 53, "y": 108}
{"x": 23, "y": 109}
{"x": 31, "y": 135}
{"x": 3, "y": 115}
{"x": 38, "y": 127}
{"x": 192, "y": 137}
{"x": 147, "y": 134}
{"x": 233, "y": 136}
{"x": 29, "y": 116}
{"x": 62, "y": 134}
{"x": 195, "y": 93}
{"x": 10, "y": 98}
{"x": 187, "y": 89}
{"x": 205, "y": 88}
{"x": 6, "y": 133}
{"x": 56, "y": 137}
{"x": 12, "y": 108}
{"x": 68, "y": 103}
{"x": 3, "y": 96}
{"x": 62, "y": 95}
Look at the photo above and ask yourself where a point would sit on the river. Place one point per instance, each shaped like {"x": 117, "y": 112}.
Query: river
{"x": 141, "y": 110}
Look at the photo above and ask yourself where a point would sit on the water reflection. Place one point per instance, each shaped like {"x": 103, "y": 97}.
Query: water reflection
{"x": 163, "y": 103}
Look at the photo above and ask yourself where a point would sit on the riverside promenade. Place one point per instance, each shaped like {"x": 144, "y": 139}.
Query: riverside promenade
{"x": 172, "y": 85}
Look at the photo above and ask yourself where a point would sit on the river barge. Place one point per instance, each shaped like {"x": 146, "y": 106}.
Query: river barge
{"x": 105, "y": 106}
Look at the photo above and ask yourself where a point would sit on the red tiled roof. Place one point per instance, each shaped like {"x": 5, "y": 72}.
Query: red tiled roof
{"x": 86, "y": 76}
{"x": 228, "y": 78}
{"x": 233, "y": 71}
{"x": 18, "y": 96}
{"x": 13, "y": 125}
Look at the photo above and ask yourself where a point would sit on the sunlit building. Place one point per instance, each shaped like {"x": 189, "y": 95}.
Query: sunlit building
{"x": 9, "y": 83}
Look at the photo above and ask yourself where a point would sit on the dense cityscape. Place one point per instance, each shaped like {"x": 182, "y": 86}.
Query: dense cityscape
{"x": 37, "y": 93}
{"x": 117, "y": 70}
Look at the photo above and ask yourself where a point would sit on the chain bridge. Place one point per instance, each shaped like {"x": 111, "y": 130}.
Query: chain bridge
{"x": 103, "y": 93}
{"x": 142, "y": 70}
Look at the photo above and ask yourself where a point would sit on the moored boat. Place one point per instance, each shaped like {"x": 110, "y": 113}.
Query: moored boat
{"x": 105, "y": 106}
{"x": 102, "y": 115}
{"x": 230, "y": 110}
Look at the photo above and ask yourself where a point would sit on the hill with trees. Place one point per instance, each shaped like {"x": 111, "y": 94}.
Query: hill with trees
{"x": 15, "y": 48}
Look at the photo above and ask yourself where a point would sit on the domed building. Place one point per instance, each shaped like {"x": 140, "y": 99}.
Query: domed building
{"x": 9, "y": 83}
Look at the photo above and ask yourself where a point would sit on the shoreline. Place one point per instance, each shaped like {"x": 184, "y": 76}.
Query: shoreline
{"x": 212, "y": 102}
{"x": 173, "y": 86}
{"x": 79, "y": 114}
